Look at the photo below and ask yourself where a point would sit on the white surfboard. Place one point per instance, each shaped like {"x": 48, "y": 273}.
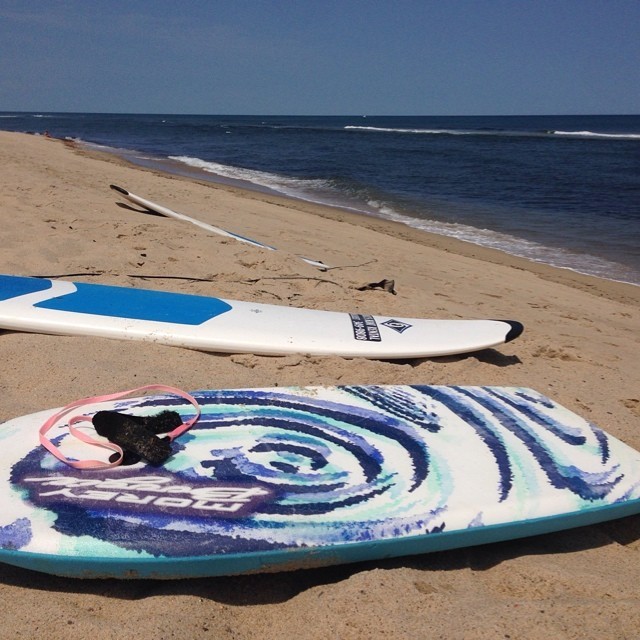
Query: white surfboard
{"x": 165, "y": 211}
{"x": 213, "y": 324}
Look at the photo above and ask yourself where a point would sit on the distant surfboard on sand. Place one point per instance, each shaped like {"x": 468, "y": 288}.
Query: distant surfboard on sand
{"x": 164, "y": 211}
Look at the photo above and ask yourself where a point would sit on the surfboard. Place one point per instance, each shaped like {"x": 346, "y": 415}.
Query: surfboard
{"x": 165, "y": 211}
{"x": 291, "y": 478}
{"x": 229, "y": 326}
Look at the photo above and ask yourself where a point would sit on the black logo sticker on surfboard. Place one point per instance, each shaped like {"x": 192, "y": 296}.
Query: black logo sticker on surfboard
{"x": 397, "y": 325}
{"x": 365, "y": 327}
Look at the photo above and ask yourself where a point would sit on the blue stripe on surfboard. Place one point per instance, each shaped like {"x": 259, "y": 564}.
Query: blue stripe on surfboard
{"x": 15, "y": 286}
{"x": 138, "y": 304}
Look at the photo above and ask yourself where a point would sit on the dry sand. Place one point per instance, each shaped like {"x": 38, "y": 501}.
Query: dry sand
{"x": 580, "y": 346}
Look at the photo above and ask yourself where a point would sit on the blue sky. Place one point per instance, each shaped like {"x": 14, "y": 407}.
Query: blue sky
{"x": 321, "y": 57}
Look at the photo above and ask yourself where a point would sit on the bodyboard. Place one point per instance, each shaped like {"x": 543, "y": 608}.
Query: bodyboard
{"x": 289, "y": 478}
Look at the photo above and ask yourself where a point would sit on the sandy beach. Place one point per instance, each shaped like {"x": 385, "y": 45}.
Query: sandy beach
{"x": 581, "y": 347}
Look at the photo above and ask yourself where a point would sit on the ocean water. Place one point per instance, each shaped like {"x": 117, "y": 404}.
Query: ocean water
{"x": 563, "y": 190}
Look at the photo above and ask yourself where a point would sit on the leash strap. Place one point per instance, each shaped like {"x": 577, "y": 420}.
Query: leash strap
{"x": 84, "y": 437}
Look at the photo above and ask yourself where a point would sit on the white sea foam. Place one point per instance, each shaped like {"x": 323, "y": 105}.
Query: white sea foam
{"x": 96, "y": 145}
{"x": 593, "y": 134}
{"x": 289, "y": 186}
{"x": 474, "y": 132}
{"x": 452, "y": 132}
{"x": 554, "y": 256}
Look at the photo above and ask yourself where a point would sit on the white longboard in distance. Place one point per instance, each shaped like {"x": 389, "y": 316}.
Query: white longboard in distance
{"x": 212, "y": 324}
{"x": 165, "y": 211}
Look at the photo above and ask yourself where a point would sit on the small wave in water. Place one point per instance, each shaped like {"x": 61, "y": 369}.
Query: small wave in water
{"x": 477, "y": 132}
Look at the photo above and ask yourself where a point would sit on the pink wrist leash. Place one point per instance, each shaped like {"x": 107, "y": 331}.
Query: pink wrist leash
{"x": 98, "y": 464}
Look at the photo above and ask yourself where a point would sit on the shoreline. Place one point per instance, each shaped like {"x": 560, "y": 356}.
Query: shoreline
{"x": 580, "y": 347}
{"x": 613, "y": 289}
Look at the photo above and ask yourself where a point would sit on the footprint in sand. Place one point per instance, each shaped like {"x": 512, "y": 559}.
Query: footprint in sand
{"x": 551, "y": 352}
{"x": 633, "y": 404}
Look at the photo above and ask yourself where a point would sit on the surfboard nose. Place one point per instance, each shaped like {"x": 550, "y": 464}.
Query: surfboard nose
{"x": 516, "y": 329}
